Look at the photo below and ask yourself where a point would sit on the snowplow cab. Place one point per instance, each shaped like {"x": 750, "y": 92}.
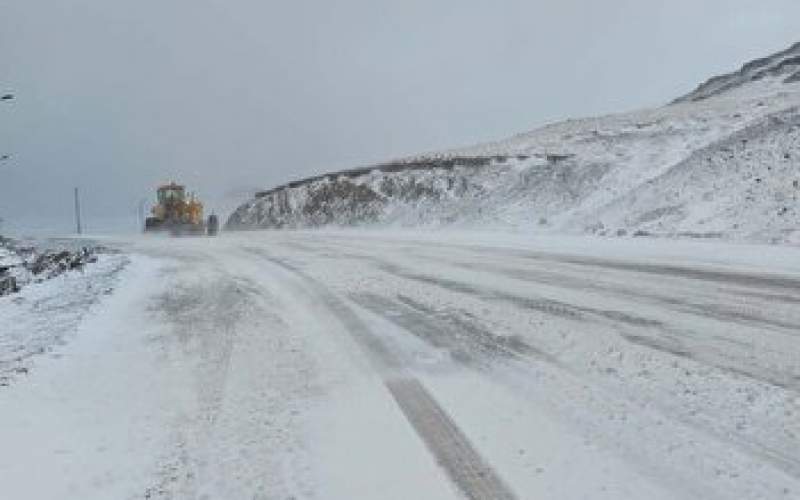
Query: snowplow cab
{"x": 171, "y": 192}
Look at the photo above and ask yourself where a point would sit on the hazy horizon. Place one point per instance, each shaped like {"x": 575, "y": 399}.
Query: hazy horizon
{"x": 229, "y": 98}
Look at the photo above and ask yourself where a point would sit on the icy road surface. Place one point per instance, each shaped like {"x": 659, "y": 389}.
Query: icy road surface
{"x": 397, "y": 365}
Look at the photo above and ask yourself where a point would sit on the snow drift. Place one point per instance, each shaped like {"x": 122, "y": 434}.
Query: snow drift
{"x": 721, "y": 161}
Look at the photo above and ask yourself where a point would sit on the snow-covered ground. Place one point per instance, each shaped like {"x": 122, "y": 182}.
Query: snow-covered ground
{"x": 424, "y": 364}
{"x": 720, "y": 163}
{"x": 51, "y": 303}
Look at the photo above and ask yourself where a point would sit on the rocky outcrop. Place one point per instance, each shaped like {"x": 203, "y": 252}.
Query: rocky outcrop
{"x": 22, "y": 264}
{"x": 361, "y": 196}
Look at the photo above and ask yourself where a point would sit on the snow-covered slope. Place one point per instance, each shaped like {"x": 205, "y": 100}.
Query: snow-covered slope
{"x": 785, "y": 64}
{"x": 722, "y": 161}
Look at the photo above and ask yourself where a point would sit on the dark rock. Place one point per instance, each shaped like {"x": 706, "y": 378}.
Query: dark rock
{"x": 8, "y": 285}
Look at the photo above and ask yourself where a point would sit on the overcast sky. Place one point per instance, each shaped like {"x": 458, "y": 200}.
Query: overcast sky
{"x": 229, "y": 96}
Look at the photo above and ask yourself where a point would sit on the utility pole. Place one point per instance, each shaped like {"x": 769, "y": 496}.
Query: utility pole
{"x": 78, "y": 212}
{"x": 4, "y": 157}
{"x": 3, "y": 98}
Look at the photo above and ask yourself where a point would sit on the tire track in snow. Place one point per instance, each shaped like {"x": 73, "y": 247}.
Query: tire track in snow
{"x": 750, "y": 279}
{"x": 666, "y": 343}
{"x": 453, "y": 451}
{"x": 451, "y": 448}
{"x": 671, "y": 340}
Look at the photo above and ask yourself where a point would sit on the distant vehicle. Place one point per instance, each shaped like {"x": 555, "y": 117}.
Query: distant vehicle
{"x": 178, "y": 213}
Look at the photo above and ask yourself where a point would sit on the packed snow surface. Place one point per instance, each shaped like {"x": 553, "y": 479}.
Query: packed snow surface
{"x": 344, "y": 364}
{"x": 719, "y": 163}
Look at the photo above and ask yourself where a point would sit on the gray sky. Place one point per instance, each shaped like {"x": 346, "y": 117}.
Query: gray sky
{"x": 232, "y": 95}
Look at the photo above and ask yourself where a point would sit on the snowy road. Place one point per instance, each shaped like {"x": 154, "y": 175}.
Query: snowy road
{"x": 381, "y": 365}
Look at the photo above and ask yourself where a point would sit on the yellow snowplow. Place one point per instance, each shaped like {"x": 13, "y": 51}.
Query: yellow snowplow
{"x": 179, "y": 213}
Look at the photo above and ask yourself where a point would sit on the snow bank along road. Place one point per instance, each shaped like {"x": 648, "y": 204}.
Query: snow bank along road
{"x": 379, "y": 365}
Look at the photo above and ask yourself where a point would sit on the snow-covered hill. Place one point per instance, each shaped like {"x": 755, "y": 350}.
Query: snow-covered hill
{"x": 723, "y": 161}
{"x": 785, "y": 64}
